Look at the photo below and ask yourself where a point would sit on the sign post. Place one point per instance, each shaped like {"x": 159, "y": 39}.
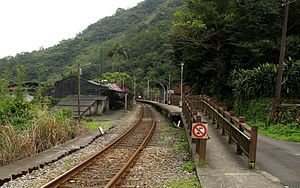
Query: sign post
{"x": 199, "y": 132}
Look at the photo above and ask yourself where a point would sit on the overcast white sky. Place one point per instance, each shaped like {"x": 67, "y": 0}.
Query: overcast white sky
{"x": 27, "y": 25}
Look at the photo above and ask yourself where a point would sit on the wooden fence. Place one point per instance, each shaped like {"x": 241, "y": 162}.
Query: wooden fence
{"x": 243, "y": 135}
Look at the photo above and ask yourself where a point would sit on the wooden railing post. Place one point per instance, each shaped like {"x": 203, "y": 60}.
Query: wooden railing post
{"x": 238, "y": 145}
{"x": 190, "y": 120}
{"x": 253, "y": 145}
{"x": 202, "y": 148}
{"x": 202, "y": 152}
{"x": 198, "y": 120}
{"x": 223, "y": 128}
{"x": 218, "y": 122}
{"x": 213, "y": 119}
{"x": 230, "y": 129}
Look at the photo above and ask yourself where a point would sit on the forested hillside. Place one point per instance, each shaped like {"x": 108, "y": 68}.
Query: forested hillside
{"x": 134, "y": 41}
{"x": 232, "y": 47}
{"x": 231, "y": 52}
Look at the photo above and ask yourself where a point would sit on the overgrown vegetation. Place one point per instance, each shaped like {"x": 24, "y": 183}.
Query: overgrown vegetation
{"x": 189, "y": 166}
{"x": 180, "y": 143}
{"x": 185, "y": 183}
{"x": 94, "y": 125}
{"x": 47, "y": 130}
{"x": 176, "y": 139}
{"x": 256, "y": 112}
{"x": 26, "y": 128}
{"x": 288, "y": 132}
{"x": 259, "y": 82}
{"x": 216, "y": 37}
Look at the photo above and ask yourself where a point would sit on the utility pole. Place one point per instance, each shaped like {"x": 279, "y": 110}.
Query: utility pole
{"x": 148, "y": 91}
{"x": 281, "y": 57}
{"x": 123, "y": 83}
{"x": 101, "y": 63}
{"x": 125, "y": 94}
{"x": 134, "y": 87}
{"x": 78, "y": 91}
{"x": 169, "y": 96}
{"x": 101, "y": 57}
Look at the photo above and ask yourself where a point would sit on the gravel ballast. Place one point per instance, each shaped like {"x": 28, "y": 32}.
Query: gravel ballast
{"x": 162, "y": 161}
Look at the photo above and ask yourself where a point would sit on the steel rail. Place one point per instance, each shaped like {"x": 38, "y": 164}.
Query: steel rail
{"x": 73, "y": 171}
{"x": 121, "y": 172}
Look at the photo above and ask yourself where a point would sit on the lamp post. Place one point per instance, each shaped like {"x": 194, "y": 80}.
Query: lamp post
{"x": 148, "y": 89}
{"x": 181, "y": 86}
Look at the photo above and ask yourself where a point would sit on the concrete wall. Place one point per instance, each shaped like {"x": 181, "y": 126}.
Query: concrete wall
{"x": 99, "y": 107}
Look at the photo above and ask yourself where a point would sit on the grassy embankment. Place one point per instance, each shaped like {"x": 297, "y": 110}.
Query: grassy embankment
{"x": 93, "y": 125}
{"x": 256, "y": 112}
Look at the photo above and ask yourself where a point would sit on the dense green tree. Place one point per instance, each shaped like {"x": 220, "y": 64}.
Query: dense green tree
{"x": 117, "y": 54}
{"x": 214, "y": 37}
{"x": 114, "y": 77}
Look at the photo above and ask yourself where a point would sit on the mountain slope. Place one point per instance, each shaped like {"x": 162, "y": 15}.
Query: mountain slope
{"x": 142, "y": 31}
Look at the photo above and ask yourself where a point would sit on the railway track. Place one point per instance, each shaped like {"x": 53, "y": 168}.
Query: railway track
{"x": 108, "y": 167}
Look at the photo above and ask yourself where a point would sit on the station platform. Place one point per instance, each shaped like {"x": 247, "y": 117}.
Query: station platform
{"x": 169, "y": 110}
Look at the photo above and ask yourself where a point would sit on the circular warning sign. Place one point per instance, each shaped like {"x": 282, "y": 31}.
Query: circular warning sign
{"x": 199, "y": 130}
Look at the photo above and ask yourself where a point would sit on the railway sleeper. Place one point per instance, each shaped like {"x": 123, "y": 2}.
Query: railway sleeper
{"x": 103, "y": 173}
{"x": 86, "y": 182}
{"x": 127, "y": 186}
{"x": 128, "y": 145}
{"x": 94, "y": 175}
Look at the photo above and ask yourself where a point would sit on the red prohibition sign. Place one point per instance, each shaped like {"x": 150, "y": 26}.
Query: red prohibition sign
{"x": 199, "y": 131}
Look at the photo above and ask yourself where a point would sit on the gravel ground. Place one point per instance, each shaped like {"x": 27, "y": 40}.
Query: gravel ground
{"x": 159, "y": 163}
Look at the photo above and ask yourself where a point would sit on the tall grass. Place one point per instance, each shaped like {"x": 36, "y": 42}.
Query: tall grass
{"x": 14, "y": 145}
{"x": 48, "y": 129}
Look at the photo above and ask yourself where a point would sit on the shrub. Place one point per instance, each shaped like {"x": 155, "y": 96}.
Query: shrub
{"x": 17, "y": 112}
{"x": 261, "y": 81}
{"x": 52, "y": 129}
{"x": 257, "y": 82}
